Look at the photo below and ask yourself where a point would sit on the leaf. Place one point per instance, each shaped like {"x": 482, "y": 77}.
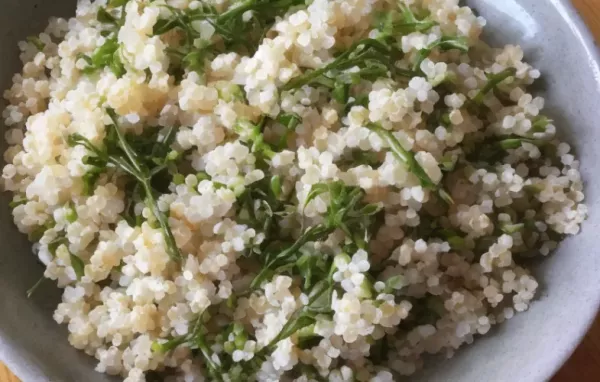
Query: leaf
{"x": 105, "y": 17}
{"x": 445, "y": 196}
{"x": 359, "y": 55}
{"x": 105, "y": 55}
{"x": 275, "y": 186}
{"x": 117, "y": 3}
{"x": 77, "y": 265}
{"x": 229, "y": 92}
{"x": 305, "y": 266}
{"x": 515, "y": 143}
{"x": 403, "y": 155}
{"x": 89, "y": 181}
{"x": 178, "y": 179}
{"x": 251, "y": 134}
{"x": 394, "y": 283}
{"x": 299, "y": 323}
{"x": 17, "y": 202}
{"x": 493, "y": 82}
{"x": 289, "y": 120}
{"x": 448, "y": 163}
{"x": 540, "y": 123}
{"x": 370, "y": 209}
{"x": 165, "y": 347}
{"x": 396, "y": 24}
{"x": 445, "y": 43}
{"x": 341, "y": 92}
{"x": 163, "y": 26}
{"x": 456, "y": 243}
{"x": 512, "y": 228}
{"x": 315, "y": 190}
{"x": 312, "y": 267}
{"x": 116, "y": 65}
{"x": 71, "y": 214}
{"x": 534, "y": 188}
{"x": 35, "y": 40}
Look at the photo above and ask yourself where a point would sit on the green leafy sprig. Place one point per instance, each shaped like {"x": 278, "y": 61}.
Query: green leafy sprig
{"x": 107, "y": 55}
{"x": 445, "y": 43}
{"x": 371, "y": 56}
{"x": 400, "y": 23}
{"x": 346, "y": 211}
{"x": 231, "y": 26}
{"x": 119, "y": 153}
{"x": 408, "y": 158}
{"x": 493, "y": 81}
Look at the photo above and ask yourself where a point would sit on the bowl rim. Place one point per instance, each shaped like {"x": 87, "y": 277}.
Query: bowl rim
{"x": 22, "y": 366}
{"x": 586, "y": 38}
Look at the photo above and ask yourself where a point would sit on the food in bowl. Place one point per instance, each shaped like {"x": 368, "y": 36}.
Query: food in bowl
{"x": 273, "y": 190}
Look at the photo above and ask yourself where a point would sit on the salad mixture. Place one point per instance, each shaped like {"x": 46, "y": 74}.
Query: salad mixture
{"x": 282, "y": 189}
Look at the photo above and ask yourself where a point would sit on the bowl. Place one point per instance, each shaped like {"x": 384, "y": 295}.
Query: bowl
{"x": 529, "y": 348}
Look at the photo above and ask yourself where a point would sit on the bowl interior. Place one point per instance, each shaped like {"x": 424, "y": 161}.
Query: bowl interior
{"x": 530, "y": 347}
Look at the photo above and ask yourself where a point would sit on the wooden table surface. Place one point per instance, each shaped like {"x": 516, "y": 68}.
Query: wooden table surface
{"x": 584, "y": 365}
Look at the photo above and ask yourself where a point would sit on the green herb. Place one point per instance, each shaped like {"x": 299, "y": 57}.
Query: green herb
{"x": 312, "y": 266}
{"x": 289, "y": 121}
{"x": 117, "y": 3}
{"x": 493, "y": 82}
{"x": 77, "y": 265}
{"x": 394, "y": 284}
{"x": 403, "y": 155}
{"x": 108, "y": 55}
{"x": 396, "y": 24}
{"x": 178, "y": 179}
{"x": 408, "y": 158}
{"x": 374, "y": 58}
{"x": 448, "y": 163}
{"x": 445, "y": 43}
{"x": 35, "y": 40}
{"x": 35, "y": 286}
{"x": 105, "y": 17}
{"x": 319, "y": 302}
{"x": 71, "y": 213}
{"x": 346, "y": 212}
{"x": 261, "y": 206}
{"x": 276, "y": 186}
{"x": 540, "y": 123}
{"x": 534, "y": 188}
{"x": 196, "y": 341}
{"x": 17, "y": 202}
{"x": 455, "y": 241}
{"x": 515, "y": 143}
{"x": 370, "y": 55}
{"x": 38, "y": 233}
{"x": 509, "y": 228}
{"x": 229, "y": 92}
{"x": 119, "y": 153}
{"x": 251, "y": 134}
{"x": 229, "y": 26}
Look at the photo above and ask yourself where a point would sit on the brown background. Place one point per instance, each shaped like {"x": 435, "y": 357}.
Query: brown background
{"x": 584, "y": 365}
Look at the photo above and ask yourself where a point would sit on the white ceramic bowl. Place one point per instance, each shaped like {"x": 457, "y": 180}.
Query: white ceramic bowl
{"x": 529, "y": 348}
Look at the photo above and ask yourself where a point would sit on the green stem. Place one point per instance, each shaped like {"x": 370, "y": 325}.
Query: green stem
{"x": 134, "y": 168}
{"x": 32, "y": 290}
{"x": 314, "y": 233}
{"x": 291, "y": 323}
{"x": 163, "y": 221}
{"x": 411, "y": 163}
{"x": 492, "y": 83}
{"x": 404, "y": 156}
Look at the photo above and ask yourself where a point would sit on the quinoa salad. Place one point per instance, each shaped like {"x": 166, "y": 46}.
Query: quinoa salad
{"x": 282, "y": 190}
